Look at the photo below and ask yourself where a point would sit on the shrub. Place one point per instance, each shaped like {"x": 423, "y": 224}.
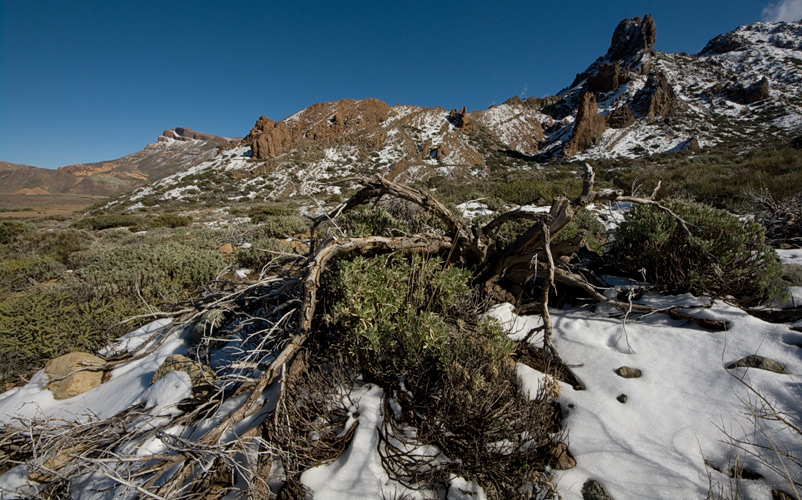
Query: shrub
{"x": 49, "y": 322}
{"x": 260, "y": 213}
{"x": 58, "y": 243}
{"x": 107, "y": 221}
{"x": 724, "y": 255}
{"x": 18, "y": 273}
{"x": 169, "y": 220}
{"x": 11, "y": 229}
{"x": 368, "y": 221}
{"x": 411, "y": 325}
{"x": 397, "y": 307}
{"x": 159, "y": 272}
{"x": 588, "y": 224}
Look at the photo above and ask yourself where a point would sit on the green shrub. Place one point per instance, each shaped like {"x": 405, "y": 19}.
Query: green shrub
{"x": 158, "y": 272}
{"x": 18, "y": 273}
{"x": 169, "y": 220}
{"x": 58, "y": 243}
{"x": 588, "y": 224}
{"x": 11, "y": 229}
{"x": 49, "y": 322}
{"x": 399, "y": 309}
{"x": 723, "y": 256}
{"x": 368, "y": 221}
{"x": 108, "y": 221}
{"x": 260, "y": 213}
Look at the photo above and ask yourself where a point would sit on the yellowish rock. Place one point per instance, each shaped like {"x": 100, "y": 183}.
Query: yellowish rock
{"x": 73, "y": 374}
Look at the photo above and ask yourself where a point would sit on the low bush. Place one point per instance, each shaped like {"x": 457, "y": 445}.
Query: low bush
{"x": 49, "y": 322}
{"x": 11, "y": 229}
{"x": 159, "y": 273}
{"x": 410, "y": 324}
{"x": 100, "y": 222}
{"x": 58, "y": 243}
{"x": 723, "y": 255}
{"x": 17, "y": 274}
{"x": 368, "y": 221}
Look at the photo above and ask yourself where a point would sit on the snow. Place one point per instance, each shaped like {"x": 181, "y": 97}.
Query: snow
{"x": 792, "y": 256}
{"x": 655, "y": 445}
{"x": 358, "y": 473}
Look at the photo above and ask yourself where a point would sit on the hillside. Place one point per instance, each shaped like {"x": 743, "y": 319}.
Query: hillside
{"x": 175, "y": 150}
{"x": 632, "y": 102}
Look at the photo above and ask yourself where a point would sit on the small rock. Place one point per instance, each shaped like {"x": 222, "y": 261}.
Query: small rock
{"x": 759, "y": 362}
{"x": 628, "y": 372}
{"x": 780, "y": 495}
{"x": 227, "y": 249}
{"x": 622, "y": 398}
{"x": 66, "y": 384}
{"x": 562, "y": 457}
{"x": 201, "y": 376}
{"x": 593, "y": 490}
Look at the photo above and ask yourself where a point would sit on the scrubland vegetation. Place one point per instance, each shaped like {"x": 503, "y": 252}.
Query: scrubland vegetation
{"x": 406, "y": 321}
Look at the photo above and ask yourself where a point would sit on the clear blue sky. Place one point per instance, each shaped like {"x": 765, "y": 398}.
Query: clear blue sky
{"x": 84, "y": 81}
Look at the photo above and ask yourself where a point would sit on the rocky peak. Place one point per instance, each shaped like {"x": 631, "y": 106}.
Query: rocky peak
{"x": 631, "y": 37}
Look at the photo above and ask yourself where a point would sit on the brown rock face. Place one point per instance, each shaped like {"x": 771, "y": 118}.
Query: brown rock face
{"x": 608, "y": 78}
{"x": 275, "y": 138}
{"x": 657, "y": 98}
{"x": 66, "y": 384}
{"x": 460, "y": 119}
{"x": 588, "y": 127}
{"x": 323, "y": 124}
{"x": 621, "y": 117}
{"x": 632, "y": 36}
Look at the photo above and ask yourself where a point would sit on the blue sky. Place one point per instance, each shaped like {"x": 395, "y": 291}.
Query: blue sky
{"x": 87, "y": 81}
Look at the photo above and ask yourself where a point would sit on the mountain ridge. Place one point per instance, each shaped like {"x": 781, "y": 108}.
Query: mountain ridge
{"x": 630, "y": 102}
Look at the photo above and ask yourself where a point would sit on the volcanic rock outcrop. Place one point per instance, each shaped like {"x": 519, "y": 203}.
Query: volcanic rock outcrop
{"x": 588, "y": 127}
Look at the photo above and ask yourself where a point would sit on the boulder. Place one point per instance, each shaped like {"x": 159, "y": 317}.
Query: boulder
{"x": 201, "y": 375}
{"x": 628, "y": 372}
{"x": 593, "y": 490}
{"x": 758, "y": 362}
{"x": 70, "y": 376}
{"x": 588, "y": 126}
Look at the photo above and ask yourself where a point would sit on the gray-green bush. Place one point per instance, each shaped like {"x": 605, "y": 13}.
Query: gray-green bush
{"x": 723, "y": 255}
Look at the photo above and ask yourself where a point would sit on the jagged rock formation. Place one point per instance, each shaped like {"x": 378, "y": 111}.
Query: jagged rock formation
{"x": 631, "y": 37}
{"x": 657, "y": 98}
{"x": 588, "y": 127}
{"x": 621, "y": 117}
{"x": 460, "y": 119}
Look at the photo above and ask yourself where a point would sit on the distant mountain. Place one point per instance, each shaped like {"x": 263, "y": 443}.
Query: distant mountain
{"x": 632, "y": 101}
{"x": 175, "y": 150}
